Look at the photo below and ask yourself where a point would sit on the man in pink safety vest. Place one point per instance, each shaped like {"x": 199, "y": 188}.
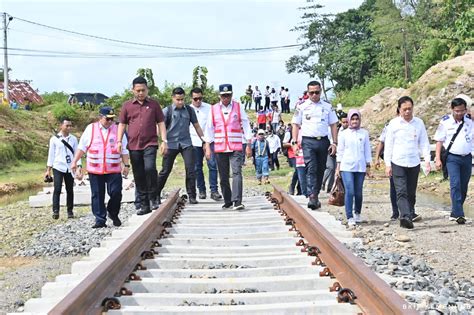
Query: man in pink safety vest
{"x": 104, "y": 165}
{"x": 226, "y": 124}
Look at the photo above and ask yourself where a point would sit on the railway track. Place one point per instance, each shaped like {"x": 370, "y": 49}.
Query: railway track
{"x": 271, "y": 258}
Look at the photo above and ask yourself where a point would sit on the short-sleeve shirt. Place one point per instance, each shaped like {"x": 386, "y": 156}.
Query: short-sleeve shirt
{"x": 448, "y": 126}
{"x": 177, "y": 133}
{"x": 141, "y": 120}
{"x": 314, "y": 118}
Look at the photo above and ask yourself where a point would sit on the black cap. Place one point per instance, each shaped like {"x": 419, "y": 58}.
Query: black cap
{"x": 225, "y": 89}
{"x": 107, "y": 112}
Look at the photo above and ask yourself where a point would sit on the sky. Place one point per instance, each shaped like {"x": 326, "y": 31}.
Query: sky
{"x": 187, "y": 24}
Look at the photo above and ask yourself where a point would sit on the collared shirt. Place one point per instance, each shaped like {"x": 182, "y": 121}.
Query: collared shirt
{"x": 177, "y": 133}
{"x": 141, "y": 120}
{"x": 462, "y": 145}
{"x": 383, "y": 134}
{"x": 274, "y": 143}
{"x": 353, "y": 150}
{"x": 276, "y": 117}
{"x": 404, "y": 141}
{"x": 59, "y": 156}
{"x": 86, "y": 139}
{"x": 314, "y": 118}
{"x": 267, "y": 93}
{"x": 257, "y": 93}
{"x": 273, "y": 97}
{"x": 209, "y": 130}
{"x": 202, "y": 112}
{"x": 261, "y": 147}
{"x": 282, "y": 94}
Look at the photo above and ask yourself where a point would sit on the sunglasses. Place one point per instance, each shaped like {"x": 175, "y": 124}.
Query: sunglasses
{"x": 109, "y": 119}
{"x": 314, "y": 92}
{"x": 196, "y": 99}
{"x": 226, "y": 95}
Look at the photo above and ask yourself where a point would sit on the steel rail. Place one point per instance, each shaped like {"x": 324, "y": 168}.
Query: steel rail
{"x": 107, "y": 278}
{"x": 373, "y": 295}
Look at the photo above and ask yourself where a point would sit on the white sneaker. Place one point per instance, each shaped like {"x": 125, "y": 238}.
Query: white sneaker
{"x": 351, "y": 222}
{"x": 357, "y": 218}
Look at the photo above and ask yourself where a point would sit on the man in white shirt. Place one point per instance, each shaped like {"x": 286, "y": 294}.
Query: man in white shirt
{"x": 60, "y": 154}
{"x": 104, "y": 166}
{"x": 274, "y": 145}
{"x": 228, "y": 158}
{"x": 314, "y": 116}
{"x": 406, "y": 137}
{"x": 455, "y": 133}
{"x": 267, "y": 95}
{"x": 202, "y": 111}
{"x": 257, "y": 98}
{"x": 282, "y": 99}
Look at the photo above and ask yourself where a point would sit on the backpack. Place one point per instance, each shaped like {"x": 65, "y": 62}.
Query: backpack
{"x": 169, "y": 114}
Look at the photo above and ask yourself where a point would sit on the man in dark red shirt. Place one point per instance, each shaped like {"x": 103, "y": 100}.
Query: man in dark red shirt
{"x": 144, "y": 117}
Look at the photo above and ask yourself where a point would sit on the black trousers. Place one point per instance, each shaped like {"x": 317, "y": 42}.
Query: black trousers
{"x": 405, "y": 180}
{"x": 315, "y": 154}
{"x": 227, "y": 161}
{"x": 167, "y": 166}
{"x": 58, "y": 182}
{"x": 267, "y": 103}
{"x": 144, "y": 173}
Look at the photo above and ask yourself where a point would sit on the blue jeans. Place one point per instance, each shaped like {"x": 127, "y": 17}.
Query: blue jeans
{"x": 261, "y": 166}
{"x": 211, "y": 165}
{"x": 353, "y": 183}
{"x": 114, "y": 190}
{"x": 459, "y": 170}
{"x": 301, "y": 172}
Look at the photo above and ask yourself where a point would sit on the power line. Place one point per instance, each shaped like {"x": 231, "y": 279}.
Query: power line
{"x": 155, "y": 45}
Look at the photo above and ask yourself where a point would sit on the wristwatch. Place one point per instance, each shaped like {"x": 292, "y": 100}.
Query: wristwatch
{"x": 293, "y": 142}
{"x": 165, "y": 141}
{"x": 127, "y": 165}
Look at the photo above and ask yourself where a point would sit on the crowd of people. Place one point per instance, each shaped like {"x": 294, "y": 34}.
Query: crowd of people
{"x": 270, "y": 96}
{"x": 321, "y": 143}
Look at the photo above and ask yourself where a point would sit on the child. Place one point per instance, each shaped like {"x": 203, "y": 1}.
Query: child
{"x": 261, "y": 152}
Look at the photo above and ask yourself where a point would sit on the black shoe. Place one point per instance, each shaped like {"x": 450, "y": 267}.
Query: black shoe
{"x": 99, "y": 226}
{"x": 227, "y": 205}
{"x": 202, "y": 195}
{"x": 70, "y": 215}
{"x": 115, "y": 220}
{"x": 394, "y": 218}
{"x": 216, "y": 196}
{"x": 143, "y": 211}
{"x": 55, "y": 215}
{"x": 461, "y": 220}
{"x": 416, "y": 217}
{"x": 314, "y": 203}
{"x": 406, "y": 223}
{"x": 193, "y": 201}
{"x": 155, "y": 204}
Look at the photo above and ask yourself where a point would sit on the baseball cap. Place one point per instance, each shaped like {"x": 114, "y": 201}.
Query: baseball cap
{"x": 107, "y": 112}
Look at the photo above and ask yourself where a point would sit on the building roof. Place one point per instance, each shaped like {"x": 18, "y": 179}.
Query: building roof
{"x": 21, "y": 92}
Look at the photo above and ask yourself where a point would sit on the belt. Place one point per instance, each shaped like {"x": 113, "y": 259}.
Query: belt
{"x": 461, "y": 155}
{"x": 317, "y": 138}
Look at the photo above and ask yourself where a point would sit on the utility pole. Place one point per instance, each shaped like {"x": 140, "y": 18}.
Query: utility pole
{"x": 6, "y": 93}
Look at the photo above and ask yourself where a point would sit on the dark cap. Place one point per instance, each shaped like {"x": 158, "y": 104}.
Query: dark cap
{"x": 225, "y": 89}
{"x": 107, "y": 112}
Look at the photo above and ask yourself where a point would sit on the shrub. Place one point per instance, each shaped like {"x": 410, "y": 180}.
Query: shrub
{"x": 65, "y": 110}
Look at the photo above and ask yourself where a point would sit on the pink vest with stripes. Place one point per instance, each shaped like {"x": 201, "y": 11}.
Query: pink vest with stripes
{"x": 227, "y": 134}
{"x": 102, "y": 154}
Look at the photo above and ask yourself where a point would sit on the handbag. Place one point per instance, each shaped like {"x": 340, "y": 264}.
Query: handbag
{"x": 336, "y": 196}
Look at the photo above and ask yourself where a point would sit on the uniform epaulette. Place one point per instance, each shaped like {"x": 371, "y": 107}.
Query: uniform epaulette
{"x": 445, "y": 117}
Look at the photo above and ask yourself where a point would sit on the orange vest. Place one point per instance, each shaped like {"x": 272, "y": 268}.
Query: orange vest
{"x": 227, "y": 134}
{"x": 102, "y": 154}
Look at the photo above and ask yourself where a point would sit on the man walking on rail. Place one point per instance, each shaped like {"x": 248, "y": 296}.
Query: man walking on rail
{"x": 314, "y": 116}
{"x": 60, "y": 155}
{"x": 178, "y": 117}
{"x": 202, "y": 111}
{"x": 225, "y": 126}
{"x": 104, "y": 158}
{"x": 406, "y": 137}
{"x": 143, "y": 117}
{"x": 454, "y": 135}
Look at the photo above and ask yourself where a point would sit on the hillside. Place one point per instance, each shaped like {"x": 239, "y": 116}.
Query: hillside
{"x": 432, "y": 94}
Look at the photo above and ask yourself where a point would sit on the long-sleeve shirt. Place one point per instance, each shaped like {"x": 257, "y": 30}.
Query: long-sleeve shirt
{"x": 404, "y": 141}
{"x": 59, "y": 156}
{"x": 353, "y": 150}
{"x": 86, "y": 138}
{"x": 245, "y": 123}
{"x": 274, "y": 143}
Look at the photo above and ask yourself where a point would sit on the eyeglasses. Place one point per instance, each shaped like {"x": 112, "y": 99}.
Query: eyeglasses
{"x": 197, "y": 99}
{"x": 314, "y": 92}
{"x": 226, "y": 95}
{"x": 109, "y": 119}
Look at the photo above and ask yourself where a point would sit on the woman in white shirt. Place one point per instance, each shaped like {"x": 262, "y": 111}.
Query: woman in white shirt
{"x": 353, "y": 163}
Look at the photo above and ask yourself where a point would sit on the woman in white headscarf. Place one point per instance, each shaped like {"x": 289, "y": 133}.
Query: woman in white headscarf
{"x": 353, "y": 163}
